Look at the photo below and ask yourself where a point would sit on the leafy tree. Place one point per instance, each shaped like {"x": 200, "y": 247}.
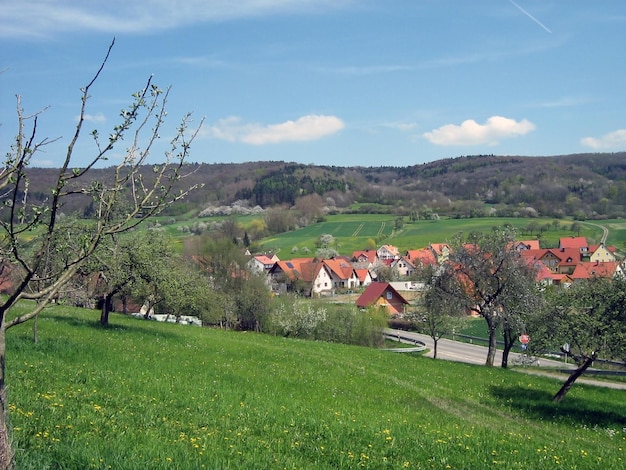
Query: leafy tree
{"x": 485, "y": 275}
{"x": 245, "y": 297}
{"x": 586, "y": 320}
{"x": 19, "y": 215}
{"x": 252, "y": 302}
{"x": 438, "y": 316}
{"x": 278, "y": 220}
{"x": 532, "y": 227}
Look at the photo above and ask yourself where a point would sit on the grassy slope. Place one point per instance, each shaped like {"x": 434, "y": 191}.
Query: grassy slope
{"x": 145, "y": 395}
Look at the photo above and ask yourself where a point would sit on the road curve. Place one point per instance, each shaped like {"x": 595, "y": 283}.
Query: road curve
{"x": 465, "y": 352}
{"x": 475, "y": 354}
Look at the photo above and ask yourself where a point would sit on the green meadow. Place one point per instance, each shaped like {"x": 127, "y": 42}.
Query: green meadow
{"x": 353, "y": 232}
{"x": 146, "y": 395}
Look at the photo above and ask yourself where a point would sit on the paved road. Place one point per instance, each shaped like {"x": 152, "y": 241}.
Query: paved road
{"x": 471, "y": 353}
{"x": 475, "y": 354}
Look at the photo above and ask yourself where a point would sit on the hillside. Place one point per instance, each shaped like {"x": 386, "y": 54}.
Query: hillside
{"x": 584, "y": 186}
{"x": 148, "y": 395}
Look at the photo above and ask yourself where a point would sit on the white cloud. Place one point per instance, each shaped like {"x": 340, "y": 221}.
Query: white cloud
{"x": 311, "y": 127}
{"x": 612, "y": 140}
{"x": 97, "y": 118}
{"x": 470, "y": 132}
{"x": 44, "y": 17}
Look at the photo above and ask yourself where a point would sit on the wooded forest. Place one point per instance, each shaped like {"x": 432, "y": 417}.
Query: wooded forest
{"x": 582, "y": 186}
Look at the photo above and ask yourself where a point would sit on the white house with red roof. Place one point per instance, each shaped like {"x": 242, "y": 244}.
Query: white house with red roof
{"x": 387, "y": 252}
{"x": 403, "y": 266}
{"x": 365, "y": 258}
{"x": 262, "y": 263}
{"x": 342, "y": 273}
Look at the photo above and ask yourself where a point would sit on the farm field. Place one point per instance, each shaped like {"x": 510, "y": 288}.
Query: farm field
{"x": 352, "y": 232}
{"x": 147, "y": 395}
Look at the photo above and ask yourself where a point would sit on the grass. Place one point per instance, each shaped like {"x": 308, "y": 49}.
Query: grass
{"x": 145, "y": 395}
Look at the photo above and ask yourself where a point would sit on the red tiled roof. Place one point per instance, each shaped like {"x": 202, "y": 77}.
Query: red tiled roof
{"x": 529, "y": 244}
{"x": 264, "y": 259}
{"x": 362, "y": 274}
{"x": 374, "y": 291}
{"x": 573, "y": 242}
{"x": 423, "y": 256}
{"x": 587, "y": 270}
{"x": 370, "y": 255}
{"x": 438, "y": 247}
{"x": 341, "y": 268}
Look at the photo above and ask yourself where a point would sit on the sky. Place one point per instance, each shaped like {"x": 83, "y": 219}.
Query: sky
{"x": 325, "y": 82}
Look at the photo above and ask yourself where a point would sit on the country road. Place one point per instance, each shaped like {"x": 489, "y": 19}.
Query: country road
{"x": 605, "y": 231}
{"x": 475, "y": 354}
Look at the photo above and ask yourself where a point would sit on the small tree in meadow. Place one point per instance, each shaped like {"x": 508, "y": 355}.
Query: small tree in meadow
{"x": 586, "y": 321}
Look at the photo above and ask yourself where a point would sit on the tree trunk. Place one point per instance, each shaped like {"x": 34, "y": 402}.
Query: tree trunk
{"x": 6, "y": 454}
{"x": 491, "y": 353}
{"x": 509, "y": 341}
{"x": 571, "y": 379}
{"x": 435, "y": 341}
{"x": 106, "y": 309}
{"x": 36, "y": 329}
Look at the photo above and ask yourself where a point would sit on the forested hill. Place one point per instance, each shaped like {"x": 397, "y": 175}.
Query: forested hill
{"x": 584, "y": 186}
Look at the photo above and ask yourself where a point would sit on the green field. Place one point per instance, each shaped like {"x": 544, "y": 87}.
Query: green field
{"x": 145, "y": 395}
{"x": 352, "y": 232}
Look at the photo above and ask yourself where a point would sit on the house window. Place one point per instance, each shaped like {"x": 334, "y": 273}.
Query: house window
{"x": 389, "y": 296}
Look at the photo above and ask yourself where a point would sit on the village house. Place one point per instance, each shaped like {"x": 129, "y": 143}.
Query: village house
{"x": 382, "y": 294}
{"x": 403, "y": 267}
{"x": 526, "y": 245}
{"x": 387, "y": 252}
{"x": 601, "y": 253}
{"x": 365, "y": 277}
{"x": 261, "y": 264}
{"x": 342, "y": 273}
{"x": 441, "y": 251}
{"x": 421, "y": 257}
{"x": 364, "y": 259}
{"x": 578, "y": 243}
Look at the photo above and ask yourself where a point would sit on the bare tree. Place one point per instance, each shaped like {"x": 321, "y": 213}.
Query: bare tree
{"x": 145, "y": 196}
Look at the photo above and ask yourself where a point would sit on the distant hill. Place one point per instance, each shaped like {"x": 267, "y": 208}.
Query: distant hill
{"x": 583, "y": 186}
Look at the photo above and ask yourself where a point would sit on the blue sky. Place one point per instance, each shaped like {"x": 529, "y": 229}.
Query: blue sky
{"x": 330, "y": 82}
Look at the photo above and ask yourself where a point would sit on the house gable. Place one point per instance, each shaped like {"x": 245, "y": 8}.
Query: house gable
{"x": 384, "y": 295}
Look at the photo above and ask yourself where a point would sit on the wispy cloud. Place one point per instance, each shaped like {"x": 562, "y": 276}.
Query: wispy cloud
{"x": 565, "y": 102}
{"x": 470, "y": 132}
{"x": 44, "y": 17}
{"x": 305, "y": 128}
{"x": 612, "y": 140}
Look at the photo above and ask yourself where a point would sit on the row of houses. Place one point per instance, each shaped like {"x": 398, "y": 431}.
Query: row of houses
{"x": 573, "y": 260}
